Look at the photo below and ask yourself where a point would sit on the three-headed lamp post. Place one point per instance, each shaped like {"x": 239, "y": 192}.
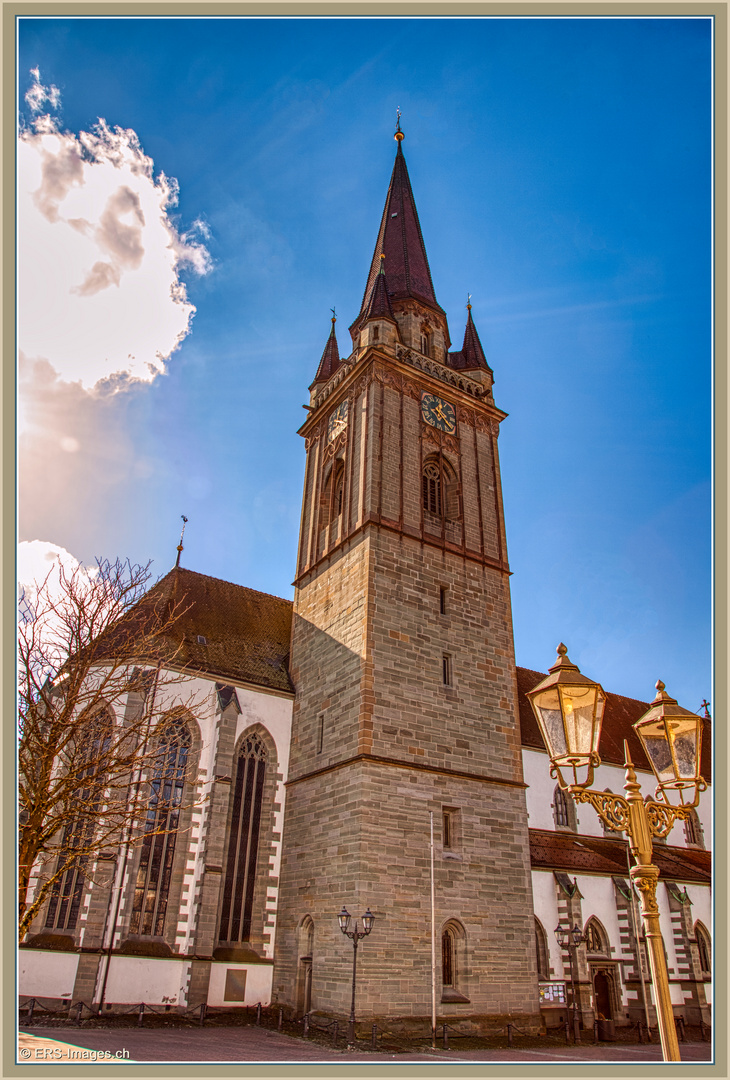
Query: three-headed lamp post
{"x": 569, "y": 709}
{"x": 355, "y": 935}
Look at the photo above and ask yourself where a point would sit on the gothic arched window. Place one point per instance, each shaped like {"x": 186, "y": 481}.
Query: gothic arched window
{"x": 693, "y": 830}
{"x": 89, "y": 766}
{"x": 541, "y": 949}
{"x": 563, "y": 810}
{"x": 167, "y": 785}
{"x": 703, "y": 948}
{"x": 596, "y": 939}
{"x": 243, "y": 843}
{"x": 439, "y": 489}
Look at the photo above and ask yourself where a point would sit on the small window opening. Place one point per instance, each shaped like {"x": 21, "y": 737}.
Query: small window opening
{"x": 320, "y": 734}
{"x": 447, "y": 670}
{"x": 448, "y": 830}
{"x": 202, "y": 640}
{"x": 442, "y": 600}
{"x": 376, "y": 333}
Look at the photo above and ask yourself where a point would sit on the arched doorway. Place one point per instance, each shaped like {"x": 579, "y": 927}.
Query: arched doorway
{"x": 602, "y": 989}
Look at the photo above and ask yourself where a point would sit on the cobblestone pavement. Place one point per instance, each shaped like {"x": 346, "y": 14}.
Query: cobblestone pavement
{"x": 256, "y": 1044}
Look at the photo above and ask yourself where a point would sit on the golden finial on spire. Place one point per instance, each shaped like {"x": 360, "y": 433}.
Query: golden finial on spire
{"x": 334, "y": 316}
{"x": 398, "y": 133}
{"x": 382, "y": 262}
{"x": 468, "y": 300}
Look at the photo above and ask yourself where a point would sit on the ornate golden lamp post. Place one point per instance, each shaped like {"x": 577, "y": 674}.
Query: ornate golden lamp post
{"x": 569, "y": 709}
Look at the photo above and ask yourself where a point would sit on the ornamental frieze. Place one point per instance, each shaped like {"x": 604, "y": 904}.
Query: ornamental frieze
{"x": 440, "y": 439}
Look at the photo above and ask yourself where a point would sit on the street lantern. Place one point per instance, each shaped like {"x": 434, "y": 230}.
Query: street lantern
{"x": 355, "y": 936}
{"x": 570, "y": 940}
{"x": 569, "y": 709}
{"x": 672, "y": 741}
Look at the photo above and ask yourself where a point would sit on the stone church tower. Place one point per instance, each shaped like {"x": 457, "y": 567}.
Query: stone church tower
{"x": 403, "y": 664}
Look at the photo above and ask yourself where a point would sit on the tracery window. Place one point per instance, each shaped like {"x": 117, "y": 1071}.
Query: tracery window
{"x": 439, "y": 489}
{"x": 541, "y": 949}
{"x": 563, "y": 810}
{"x": 453, "y": 962}
{"x": 68, "y": 888}
{"x": 447, "y": 957}
{"x": 703, "y": 948}
{"x": 595, "y": 938}
{"x": 169, "y": 771}
{"x": 693, "y": 830}
{"x": 243, "y": 844}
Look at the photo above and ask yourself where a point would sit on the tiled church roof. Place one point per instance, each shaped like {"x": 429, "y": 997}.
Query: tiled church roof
{"x": 245, "y": 634}
{"x": 580, "y": 854}
{"x": 618, "y": 716}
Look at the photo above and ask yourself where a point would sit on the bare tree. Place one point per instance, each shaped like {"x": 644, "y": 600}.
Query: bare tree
{"x": 97, "y": 655}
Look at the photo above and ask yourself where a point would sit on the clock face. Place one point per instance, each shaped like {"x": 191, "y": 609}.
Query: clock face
{"x": 337, "y": 421}
{"x": 438, "y": 413}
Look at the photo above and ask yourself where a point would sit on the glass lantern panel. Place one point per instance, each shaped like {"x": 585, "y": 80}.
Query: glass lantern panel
{"x": 579, "y": 707}
{"x": 551, "y": 722}
{"x": 685, "y": 749}
{"x": 656, "y": 744}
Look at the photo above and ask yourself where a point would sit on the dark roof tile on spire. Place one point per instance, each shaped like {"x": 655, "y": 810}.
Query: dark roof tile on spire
{"x": 472, "y": 354}
{"x": 401, "y": 241}
{"x": 330, "y": 361}
{"x": 378, "y": 305}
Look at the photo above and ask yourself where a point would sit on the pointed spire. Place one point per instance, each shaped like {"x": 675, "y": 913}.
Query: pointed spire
{"x": 378, "y": 305}
{"x": 330, "y": 357}
{"x": 401, "y": 241}
{"x": 472, "y": 353}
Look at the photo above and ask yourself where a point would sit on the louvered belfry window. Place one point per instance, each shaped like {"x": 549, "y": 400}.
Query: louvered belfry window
{"x": 432, "y": 488}
{"x": 243, "y": 844}
{"x": 152, "y": 890}
{"x": 68, "y": 888}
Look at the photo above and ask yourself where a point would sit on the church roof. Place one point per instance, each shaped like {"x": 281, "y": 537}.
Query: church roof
{"x": 619, "y": 714}
{"x": 330, "y": 358}
{"x": 577, "y": 853}
{"x": 472, "y": 354}
{"x": 227, "y": 630}
{"x": 401, "y": 241}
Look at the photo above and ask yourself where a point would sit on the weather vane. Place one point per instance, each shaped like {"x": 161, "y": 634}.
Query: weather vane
{"x": 398, "y": 132}
{"x": 468, "y": 299}
{"x": 180, "y": 545}
{"x": 334, "y": 316}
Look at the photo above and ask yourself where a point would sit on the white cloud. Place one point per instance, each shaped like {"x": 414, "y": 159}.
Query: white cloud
{"x": 38, "y": 96}
{"x": 99, "y": 258}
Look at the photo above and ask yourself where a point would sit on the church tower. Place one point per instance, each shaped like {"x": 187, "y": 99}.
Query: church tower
{"x": 403, "y": 664}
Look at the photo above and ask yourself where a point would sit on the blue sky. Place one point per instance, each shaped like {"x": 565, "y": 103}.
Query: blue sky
{"x": 562, "y": 173}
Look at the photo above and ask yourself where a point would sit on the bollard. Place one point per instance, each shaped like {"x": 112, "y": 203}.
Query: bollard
{"x": 567, "y": 1031}
{"x": 641, "y": 1032}
{"x": 79, "y": 1009}
{"x": 595, "y": 1031}
{"x": 306, "y": 1025}
{"x": 202, "y": 1014}
{"x": 140, "y": 1018}
{"x": 679, "y": 1020}
{"x": 702, "y": 1029}
{"x": 509, "y": 1035}
{"x": 446, "y": 1037}
{"x": 335, "y": 1029}
{"x": 31, "y": 1006}
{"x": 258, "y": 1013}
{"x": 374, "y": 1037}
{"x": 281, "y": 1019}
